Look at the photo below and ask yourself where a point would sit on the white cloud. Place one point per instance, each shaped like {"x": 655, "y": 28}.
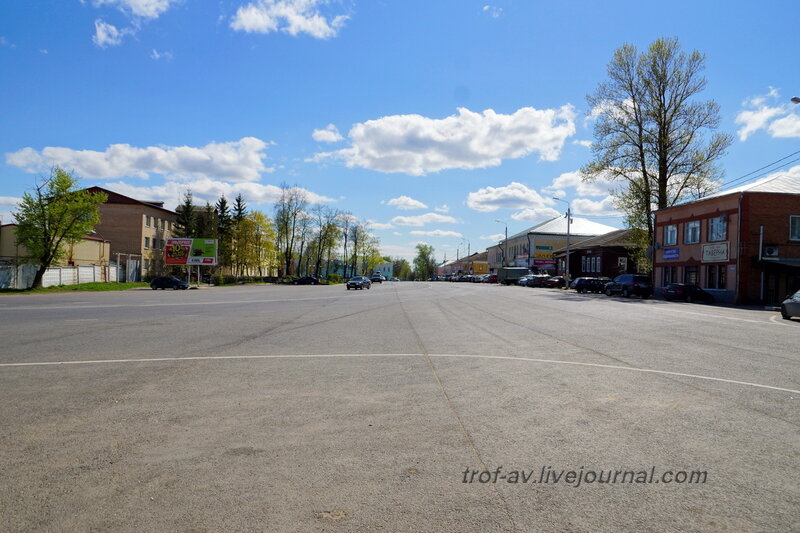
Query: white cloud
{"x": 8, "y": 204}
{"x": 379, "y": 225}
{"x": 148, "y": 9}
{"x": 444, "y": 208}
{"x": 417, "y": 145}
{"x": 512, "y": 196}
{"x": 788, "y": 126}
{"x": 393, "y": 250}
{"x": 106, "y": 35}
{"x": 436, "y": 233}
{"x": 397, "y": 233}
{"x": 584, "y": 143}
{"x": 241, "y": 160}
{"x": 761, "y": 115}
{"x": 207, "y": 190}
{"x": 535, "y": 213}
{"x": 289, "y": 16}
{"x": 6, "y": 42}
{"x": 328, "y": 135}
{"x": 421, "y": 220}
{"x": 155, "y": 54}
{"x": 584, "y": 206}
{"x": 599, "y": 187}
{"x": 406, "y": 203}
{"x": 493, "y": 11}
{"x": 494, "y": 237}
{"x": 43, "y": 51}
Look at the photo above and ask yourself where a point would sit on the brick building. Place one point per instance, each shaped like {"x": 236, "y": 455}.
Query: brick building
{"x": 742, "y": 245}
{"x": 137, "y": 230}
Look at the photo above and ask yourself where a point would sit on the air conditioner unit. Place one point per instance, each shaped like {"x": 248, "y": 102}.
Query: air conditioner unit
{"x": 770, "y": 251}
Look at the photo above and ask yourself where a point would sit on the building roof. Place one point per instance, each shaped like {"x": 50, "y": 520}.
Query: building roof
{"x": 558, "y": 226}
{"x": 620, "y": 237}
{"x": 788, "y": 182}
{"x": 117, "y": 198}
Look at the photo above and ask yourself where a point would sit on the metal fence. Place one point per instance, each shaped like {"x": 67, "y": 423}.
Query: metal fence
{"x": 21, "y": 276}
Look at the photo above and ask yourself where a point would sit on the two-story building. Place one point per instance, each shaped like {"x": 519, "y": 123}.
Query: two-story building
{"x": 741, "y": 244}
{"x": 138, "y": 231}
{"x": 534, "y": 247}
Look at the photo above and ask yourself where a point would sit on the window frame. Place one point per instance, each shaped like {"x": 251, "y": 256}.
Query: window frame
{"x": 795, "y": 237}
{"x": 147, "y": 243}
{"x": 723, "y": 219}
{"x": 690, "y": 225}
{"x": 673, "y": 232}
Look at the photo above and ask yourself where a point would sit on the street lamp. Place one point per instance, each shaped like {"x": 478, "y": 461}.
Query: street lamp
{"x": 569, "y": 220}
{"x": 505, "y": 242}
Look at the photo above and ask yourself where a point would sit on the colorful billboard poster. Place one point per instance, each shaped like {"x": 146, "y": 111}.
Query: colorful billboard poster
{"x": 191, "y": 252}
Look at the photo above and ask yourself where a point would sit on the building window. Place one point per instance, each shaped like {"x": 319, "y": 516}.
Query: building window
{"x": 583, "y": 264}
{"x": 715, "y": 276}
{"x": 596, "y": 265}
{"x": 147, "y": 220}
{"x": 718, "y": 228}
{"x": 146, "y": 243}
{"x": 691, "y": 234}
{"x": 670, "y": 235}
{"x": 690, "y": 275}
{"x": 794, "y": 227}
{"x": 161, "y": 244}
{"x": 670, "y": 275}
{"x": 162, "y": 223}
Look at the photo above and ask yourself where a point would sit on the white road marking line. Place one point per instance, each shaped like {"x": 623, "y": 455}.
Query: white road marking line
{"x": 173, "y": 304}
{"x": 672, "y": 310}
{"x": 780, "y": 321}
{"x": 455, "y": 356}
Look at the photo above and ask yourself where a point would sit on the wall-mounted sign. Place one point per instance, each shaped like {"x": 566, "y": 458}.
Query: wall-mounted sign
{"x": 671, "y": 253}
{"x": 715, "y": 253}
{"x": 543, "y": 252}
{"x": 191, "y": 252}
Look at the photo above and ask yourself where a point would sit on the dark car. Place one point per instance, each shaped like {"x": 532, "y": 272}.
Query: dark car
{"x": 358, "y": 282}
{"x": 307, "y": 280}
{"x": 630, "y": 285}
{"x": 168, "y": 282}
{"x": 554, "y": 282}
{"x": 687, "y": 291}
{"x": 377, "y": 278}
{"x": 490, "y": 278}
{"x": 583, "y": 285}
{"x": 791, "y": 306}
{"x": 538, "y": 280}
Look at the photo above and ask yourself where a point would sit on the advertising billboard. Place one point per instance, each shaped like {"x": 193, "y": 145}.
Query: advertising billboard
{"x": 191, "y": 252}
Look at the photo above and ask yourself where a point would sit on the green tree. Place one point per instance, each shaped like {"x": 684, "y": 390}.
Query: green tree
{"x": 401, "y": 268}
{"x": 239, "y": 208}
{"x": 55, "y": 214}
{"x": 288, "y": 210}
{"x": 187, "y": 217}
{"x": 224, "y": 227}
{"x": 651, "y": 135}
{"x": 424, "y": 262}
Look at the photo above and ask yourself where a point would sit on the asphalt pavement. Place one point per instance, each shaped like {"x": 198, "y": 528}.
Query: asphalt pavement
{"x": 444, "y": 407}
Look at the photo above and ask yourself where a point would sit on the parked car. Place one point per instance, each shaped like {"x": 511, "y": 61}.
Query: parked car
{"x": 490, "y": 278}
{"x": 554, "y": 282}
{"x": 597, "y": 285}
{"x": 687, "y": 291}
{"x": 524, "y": 280}
{"x": 358, "y": 282}
{"x": 168, "y": 282}
{"x": 537, "y": 280}
{"x": 307, "y": 280}
{"x": 630, "y": 285}
{"x": 791, "y": 306}
{"x": 394, "y": 279}
{"x": 377, "y": 278}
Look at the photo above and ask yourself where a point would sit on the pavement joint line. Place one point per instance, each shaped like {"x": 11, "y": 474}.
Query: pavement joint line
{"x": 388, "y": 355}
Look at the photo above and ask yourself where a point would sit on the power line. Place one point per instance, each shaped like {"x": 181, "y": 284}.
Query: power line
{"x": 729, "y": 182}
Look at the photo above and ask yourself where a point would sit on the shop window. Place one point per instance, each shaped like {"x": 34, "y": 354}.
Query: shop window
{"x": 716, "y": 276}
{"x": 670, "y": 275}
{"x": 690, "y": 274}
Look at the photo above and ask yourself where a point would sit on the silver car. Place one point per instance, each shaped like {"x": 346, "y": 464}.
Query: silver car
{"x": 791, "y": 306}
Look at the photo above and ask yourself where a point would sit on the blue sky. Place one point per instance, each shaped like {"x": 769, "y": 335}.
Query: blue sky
{"x": 431, "y": 119}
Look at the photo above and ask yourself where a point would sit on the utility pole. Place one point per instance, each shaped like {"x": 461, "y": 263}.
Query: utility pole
{"x": 505, "y": 242}
{"x": 569, "y": 220}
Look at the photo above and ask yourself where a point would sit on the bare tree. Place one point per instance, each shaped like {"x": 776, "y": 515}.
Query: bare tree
{"x": 290, "y": 205}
